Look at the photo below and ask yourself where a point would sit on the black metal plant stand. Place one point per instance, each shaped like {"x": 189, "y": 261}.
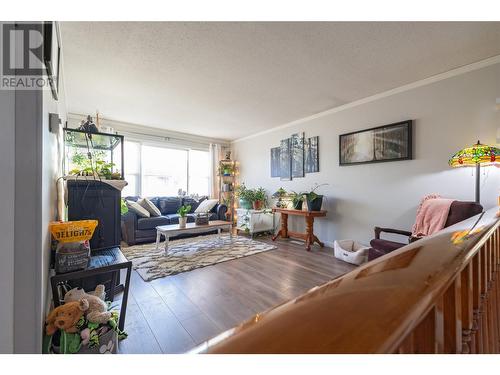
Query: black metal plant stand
{"x": 105, "y": 261}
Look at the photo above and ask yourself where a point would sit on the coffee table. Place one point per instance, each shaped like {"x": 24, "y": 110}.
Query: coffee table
{"x": 174, "y": 230}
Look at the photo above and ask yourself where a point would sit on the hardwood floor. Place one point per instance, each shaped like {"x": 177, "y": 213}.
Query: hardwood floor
{"x": 176, "y": 313}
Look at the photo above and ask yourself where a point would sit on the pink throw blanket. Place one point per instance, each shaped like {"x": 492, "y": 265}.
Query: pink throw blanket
{"x": 431, "y": 215}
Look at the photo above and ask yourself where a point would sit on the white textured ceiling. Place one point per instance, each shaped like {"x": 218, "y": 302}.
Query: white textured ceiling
{"x": 230, "y": 80}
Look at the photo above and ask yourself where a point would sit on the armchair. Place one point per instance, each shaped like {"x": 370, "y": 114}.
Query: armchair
{"x": 459, "y": 211}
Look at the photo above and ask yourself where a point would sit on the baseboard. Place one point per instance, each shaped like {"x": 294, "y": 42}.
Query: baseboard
{"x": 328, "y": 244}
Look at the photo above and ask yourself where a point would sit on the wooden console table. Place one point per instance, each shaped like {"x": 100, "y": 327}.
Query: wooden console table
{"x": 309, "y": 216}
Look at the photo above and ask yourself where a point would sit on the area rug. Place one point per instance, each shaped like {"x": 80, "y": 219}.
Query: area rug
{"x": 189, "y": 254}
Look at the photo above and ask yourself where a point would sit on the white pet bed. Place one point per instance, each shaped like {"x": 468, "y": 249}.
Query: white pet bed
{"x": 351, "y": 251}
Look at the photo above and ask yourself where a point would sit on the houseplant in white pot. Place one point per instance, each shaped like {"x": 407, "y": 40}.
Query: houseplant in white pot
{"x": 182, "y": 212}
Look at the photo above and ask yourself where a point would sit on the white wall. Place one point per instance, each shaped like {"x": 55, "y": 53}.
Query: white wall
{"x": 52, "y": 154}
{"x": 27, "y": 222}
{"x": 29, "y": 166}
{"x": 7, "y": 191}
{"x": 448, "y": 115}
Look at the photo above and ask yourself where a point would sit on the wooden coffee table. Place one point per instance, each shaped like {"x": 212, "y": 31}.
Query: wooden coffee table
{"x": 174, "y": 230}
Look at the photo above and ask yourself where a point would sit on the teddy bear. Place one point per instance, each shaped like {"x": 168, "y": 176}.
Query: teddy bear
{"x": 99, "y": 291}
{"x": 98, "y": 309}
{"x": 66, "y": 316}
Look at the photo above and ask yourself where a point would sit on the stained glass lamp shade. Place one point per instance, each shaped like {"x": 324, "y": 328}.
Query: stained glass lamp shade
{"x": 475, "y": 156}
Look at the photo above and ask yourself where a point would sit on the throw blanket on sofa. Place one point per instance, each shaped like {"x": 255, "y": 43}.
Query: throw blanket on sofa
{"x": 431, "y": 215}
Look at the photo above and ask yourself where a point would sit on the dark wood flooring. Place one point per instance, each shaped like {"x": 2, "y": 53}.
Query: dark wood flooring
{"x": 176, "y": 313}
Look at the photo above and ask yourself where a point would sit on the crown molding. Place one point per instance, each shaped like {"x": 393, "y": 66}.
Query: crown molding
{"x": 426, "y": 81}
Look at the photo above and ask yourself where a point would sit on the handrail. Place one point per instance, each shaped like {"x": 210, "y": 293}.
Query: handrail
{"x": 440, "y": 294}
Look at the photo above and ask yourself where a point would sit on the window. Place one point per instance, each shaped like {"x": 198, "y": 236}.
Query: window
{"x": 199, "y": 173}
{"x": 132, "y": 160}
{"x": 152, "y": 170}
{"x": 164, "y": 171}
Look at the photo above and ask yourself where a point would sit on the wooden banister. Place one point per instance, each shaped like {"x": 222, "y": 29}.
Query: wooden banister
{"x": 436, "y": 295}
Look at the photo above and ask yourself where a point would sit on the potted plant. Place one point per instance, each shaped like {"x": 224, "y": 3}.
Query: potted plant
{"x": 312, "y": 199}
{"x": 226, "y": 169}
{"x": 297, "y": 199}
{"x": 106, "y": 170}
{"x": 123, "y": 206}
{"x": 280, "y": 194}
{"x": 98, "y": 168}
{"x": 182, "y": 212}
{"x": 259, "y": 198}
{"x": 245, "y": 196}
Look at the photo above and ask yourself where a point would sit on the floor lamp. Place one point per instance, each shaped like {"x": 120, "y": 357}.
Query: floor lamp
{"x": 475, "y": 156}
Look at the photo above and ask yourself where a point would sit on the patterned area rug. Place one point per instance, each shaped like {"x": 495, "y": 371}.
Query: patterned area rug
{"x": 188, "y": 254}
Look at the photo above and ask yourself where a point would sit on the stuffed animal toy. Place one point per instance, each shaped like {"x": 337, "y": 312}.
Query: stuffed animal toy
{"x": 98, "y": 309}
{"x": 99, "y": 291}
{"x": 66, "y": 316}
{"x": 85, "y": 336}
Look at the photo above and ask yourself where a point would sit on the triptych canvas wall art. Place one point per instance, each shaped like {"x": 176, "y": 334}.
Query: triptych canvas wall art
{"x": 295, "y": 157}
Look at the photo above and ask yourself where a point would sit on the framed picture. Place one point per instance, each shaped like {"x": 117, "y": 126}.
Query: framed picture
{"x": 312, "y": 155}
{"x": 297, "y": 152}
{"x": 384, "y": 143}
{"x": 285, "y": 160}
{"x": 275, "y": 162}
{"x": 52, "y": 54}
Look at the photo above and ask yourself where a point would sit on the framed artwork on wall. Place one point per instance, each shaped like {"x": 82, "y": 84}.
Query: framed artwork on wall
{"x": 297, "y": 152}
{"x": 383, "y": 143}
{"x": 275, "y": 162}
{"x": 285, "y": 160}
{"x": 312, "y": 155}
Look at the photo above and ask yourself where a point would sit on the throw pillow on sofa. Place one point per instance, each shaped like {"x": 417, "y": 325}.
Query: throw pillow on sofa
{"x": 194, "y": 203}
{"x": 149, "y": 206}
{"x": 168, "y": 205}
{"x": 137, "y": 209}
{"x": 206, "y": 206}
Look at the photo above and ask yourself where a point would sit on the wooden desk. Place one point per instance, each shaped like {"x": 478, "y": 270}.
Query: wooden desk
{"x": 309, "y": 216}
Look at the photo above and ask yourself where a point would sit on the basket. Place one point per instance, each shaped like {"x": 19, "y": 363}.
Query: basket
{"x": 108, "y": 344}
{"x": 201, "y": 219}
{"x": 72, "y": 256}
{"x": 351, "y": 251}
{"x": 73, "y": 231}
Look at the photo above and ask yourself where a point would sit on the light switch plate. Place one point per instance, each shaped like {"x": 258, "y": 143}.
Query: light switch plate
{"x": 54, "y": 122}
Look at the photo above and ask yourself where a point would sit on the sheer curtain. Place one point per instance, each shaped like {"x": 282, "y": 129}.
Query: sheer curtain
{"x": 215, "y": 156}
